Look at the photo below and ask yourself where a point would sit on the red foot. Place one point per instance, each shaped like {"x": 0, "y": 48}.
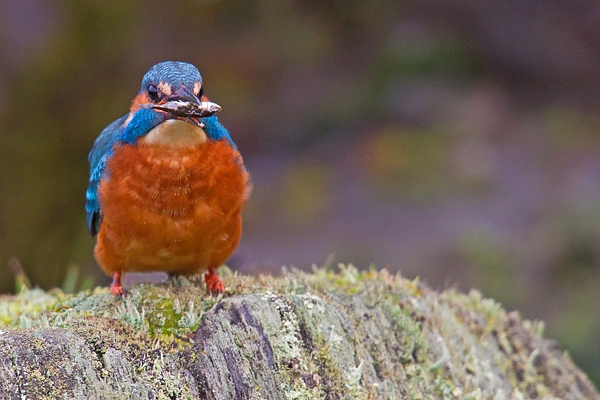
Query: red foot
{"x": 214, "y": 284}
{"x": 116, "y": 288}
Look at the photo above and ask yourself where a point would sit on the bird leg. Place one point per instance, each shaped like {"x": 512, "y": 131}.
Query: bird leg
{"x": 214, "y": 284}
{"x": 116, "y": 288}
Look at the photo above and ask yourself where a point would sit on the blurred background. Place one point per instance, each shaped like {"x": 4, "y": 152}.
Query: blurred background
{"x": 454, "y": 140}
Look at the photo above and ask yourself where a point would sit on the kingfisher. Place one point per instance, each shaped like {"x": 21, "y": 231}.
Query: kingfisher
{"x": 167, "y": 183}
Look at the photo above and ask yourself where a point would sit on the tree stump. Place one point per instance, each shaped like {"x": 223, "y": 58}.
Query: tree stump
{"x": 340, "y": 334}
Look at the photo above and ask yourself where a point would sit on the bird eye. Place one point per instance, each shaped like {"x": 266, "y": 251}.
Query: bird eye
{"x": 153, "y": 92}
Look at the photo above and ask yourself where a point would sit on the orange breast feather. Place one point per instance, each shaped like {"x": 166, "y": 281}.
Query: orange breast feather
{"x": 176, "y": 210}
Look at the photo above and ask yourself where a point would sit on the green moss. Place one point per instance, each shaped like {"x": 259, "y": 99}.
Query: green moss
{"x": 339, "y": 333}
{"x": 25, "y": 309}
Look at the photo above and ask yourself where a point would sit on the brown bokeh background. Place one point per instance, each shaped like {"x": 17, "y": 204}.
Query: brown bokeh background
{"x": 454, "y": 140}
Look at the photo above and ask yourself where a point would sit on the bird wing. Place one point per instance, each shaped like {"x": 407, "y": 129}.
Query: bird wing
{"x": 100, "y": 151}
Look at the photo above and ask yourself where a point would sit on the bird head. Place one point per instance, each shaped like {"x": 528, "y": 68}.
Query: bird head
{"x": 175, "y": 88}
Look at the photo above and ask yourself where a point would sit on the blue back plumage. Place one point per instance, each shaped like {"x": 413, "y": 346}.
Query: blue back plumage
{"x": 143, "y": 121}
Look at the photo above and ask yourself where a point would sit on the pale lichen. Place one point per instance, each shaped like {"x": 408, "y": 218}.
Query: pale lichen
{"x": 335, "y": 333}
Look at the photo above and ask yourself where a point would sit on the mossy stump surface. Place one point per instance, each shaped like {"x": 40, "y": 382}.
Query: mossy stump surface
{"x": 343, "y": 334}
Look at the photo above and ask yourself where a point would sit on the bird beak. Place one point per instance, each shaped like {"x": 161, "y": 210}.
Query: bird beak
{"x": 184, "y": 95}
{"x": 184, "y": 103}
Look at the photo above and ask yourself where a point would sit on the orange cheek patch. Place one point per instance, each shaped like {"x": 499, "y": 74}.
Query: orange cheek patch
{"x": 140, "y": 99}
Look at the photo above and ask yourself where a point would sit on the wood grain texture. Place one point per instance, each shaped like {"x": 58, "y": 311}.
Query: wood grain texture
{"x": 349, "y": 335}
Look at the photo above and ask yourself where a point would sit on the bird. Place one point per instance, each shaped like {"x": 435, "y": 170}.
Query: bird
{"x": 167, "y": 183}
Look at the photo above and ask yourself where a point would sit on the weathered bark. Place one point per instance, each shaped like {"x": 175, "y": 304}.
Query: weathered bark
{"x": 321, "y": 335}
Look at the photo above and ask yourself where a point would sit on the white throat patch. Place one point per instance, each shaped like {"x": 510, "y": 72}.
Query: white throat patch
{"x": 174, "y": 132}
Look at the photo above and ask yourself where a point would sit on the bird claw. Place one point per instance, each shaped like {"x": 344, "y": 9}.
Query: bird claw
{"x": 116, "y": 287}
{"x": 118, "y": 290}
{"x": 214, "y": 284}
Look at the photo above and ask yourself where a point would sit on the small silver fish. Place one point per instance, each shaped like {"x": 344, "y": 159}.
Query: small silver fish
{"x": 188, "y": 109}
